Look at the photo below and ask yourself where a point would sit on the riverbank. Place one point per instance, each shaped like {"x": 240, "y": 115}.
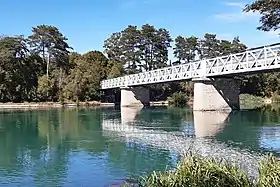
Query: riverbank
{"x": 246, "y": 101}
{"x": 43, "y": 105}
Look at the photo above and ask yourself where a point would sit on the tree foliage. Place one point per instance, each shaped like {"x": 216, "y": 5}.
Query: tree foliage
{"x": 40, "y": 68}
{"x": 186, "y": 48}
{"x": 270, "y": 11}
{"x": 139, "y": 49}
{"x": 50, "y": 43}
{"x": 265, "y": 84}
{"x": 84, "y": 79}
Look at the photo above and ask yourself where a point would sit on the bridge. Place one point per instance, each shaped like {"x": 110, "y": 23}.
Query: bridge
{"x": 215, "y": 87}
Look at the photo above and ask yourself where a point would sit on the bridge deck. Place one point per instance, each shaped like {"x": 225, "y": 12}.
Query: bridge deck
{"x": 260, "y": 59}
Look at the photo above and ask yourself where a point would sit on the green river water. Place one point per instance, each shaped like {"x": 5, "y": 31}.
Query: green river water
{"x": 101, "y": 147}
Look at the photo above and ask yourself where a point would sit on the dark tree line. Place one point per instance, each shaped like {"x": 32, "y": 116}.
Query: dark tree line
{"x": 44, "y": 67}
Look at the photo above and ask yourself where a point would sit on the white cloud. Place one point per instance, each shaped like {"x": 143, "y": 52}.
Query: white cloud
{"x": 238, "y": 14}
{"x": 235, "y": 4}
{"x": 272, "y": 34}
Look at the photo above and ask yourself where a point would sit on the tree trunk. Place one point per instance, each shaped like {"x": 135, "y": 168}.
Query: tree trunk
{"x": 48, "y": 63}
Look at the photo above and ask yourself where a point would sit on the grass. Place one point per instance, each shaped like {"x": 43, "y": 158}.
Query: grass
{"x": 198, "y": 171}
{"x": 269, "y": 170}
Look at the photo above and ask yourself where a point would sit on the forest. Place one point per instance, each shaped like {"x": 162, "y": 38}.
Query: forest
{"x": 44, "y": 67}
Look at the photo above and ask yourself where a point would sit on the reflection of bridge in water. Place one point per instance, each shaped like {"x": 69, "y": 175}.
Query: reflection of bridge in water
{"x": 206, "y": 124}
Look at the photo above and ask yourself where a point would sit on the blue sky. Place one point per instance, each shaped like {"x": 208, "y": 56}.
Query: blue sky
{"x": 87, "y": 23}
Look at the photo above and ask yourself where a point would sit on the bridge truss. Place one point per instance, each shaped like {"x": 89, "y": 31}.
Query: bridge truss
{"x": 259, "y": 59}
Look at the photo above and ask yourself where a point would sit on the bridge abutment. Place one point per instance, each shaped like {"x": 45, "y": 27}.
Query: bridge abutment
{"x": 135, "y": 96}
{"x": 215, "y": 94}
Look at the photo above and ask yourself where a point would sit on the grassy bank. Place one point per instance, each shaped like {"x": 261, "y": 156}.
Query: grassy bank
{"x": 198, "y": 171}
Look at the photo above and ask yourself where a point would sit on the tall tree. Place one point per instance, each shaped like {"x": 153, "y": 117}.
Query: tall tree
{"x": 209, "y": 46}
{"x": 50, "y": 43}
{"x": 270, "y": 11}
{"x": 18, "y": 70}
{"x": 186, "y": 48}
{"x": 139, "y": 49}
{"x": 124, "y": 47}
{"x": 154, "y": 47}
{"x": 130, "y": 42}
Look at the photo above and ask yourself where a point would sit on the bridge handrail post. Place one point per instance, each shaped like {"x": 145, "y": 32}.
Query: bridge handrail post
{"x": 203, "y": 68}
{"x": 126, "y": 77}
{"x": 265, "y": 55}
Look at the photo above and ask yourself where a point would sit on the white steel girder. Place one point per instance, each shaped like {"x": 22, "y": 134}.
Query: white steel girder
{"x": 260, "y": 59}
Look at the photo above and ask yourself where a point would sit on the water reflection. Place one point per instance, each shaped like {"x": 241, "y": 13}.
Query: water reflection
{"x": 244, "y": 129}
{"x": 209, "y": 123}
{"x": 62, "y": 147}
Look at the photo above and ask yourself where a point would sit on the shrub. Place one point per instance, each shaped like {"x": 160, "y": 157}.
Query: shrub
{"x": 178, "y": 99}
{"x": 269, "y": 172}
{"x": 250, "y": 101}
{"x": 198, "y": 171}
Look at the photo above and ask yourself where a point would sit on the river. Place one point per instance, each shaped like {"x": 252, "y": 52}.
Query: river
{"x": 99, "y": 147}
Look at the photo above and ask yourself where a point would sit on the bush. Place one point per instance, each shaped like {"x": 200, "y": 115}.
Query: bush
{"x": 250, "y": 101}
{"x": 178, "y": 99}
{"x": 198, "y": 171}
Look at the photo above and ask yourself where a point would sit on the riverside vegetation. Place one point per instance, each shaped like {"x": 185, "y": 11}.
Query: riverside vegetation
{"x": 197, "y": 171}
{"x": 44, "y": 67}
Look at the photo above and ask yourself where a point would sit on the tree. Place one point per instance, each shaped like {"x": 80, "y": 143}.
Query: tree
{"x": 124, "y": 47}
{"x": 19, "y": 70}
{"x": 186, "y": 48}
{"x": 209, "y": 46}
{"x": 270, "y": 11}
{"x": 154, "y": 47}
{"x": 50, "y": 43}
{"x": 139, "y": 49}
{"x": 237, "y": 46}
{"x": 115, "y": 70}
{"x": 83, "y": 83}
{"x": 268, "y": 84}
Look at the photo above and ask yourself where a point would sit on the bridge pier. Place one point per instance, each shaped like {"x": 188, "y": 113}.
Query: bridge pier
{"x": 135, "y": 96}
{"x": 215, "y": 94}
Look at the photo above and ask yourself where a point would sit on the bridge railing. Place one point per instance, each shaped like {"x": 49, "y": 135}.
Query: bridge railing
{"x": 259, "y": 59}
{"x": 264, "y": 58}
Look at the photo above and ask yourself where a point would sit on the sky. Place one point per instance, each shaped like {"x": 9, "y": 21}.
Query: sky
{"x": 87, "y": 23}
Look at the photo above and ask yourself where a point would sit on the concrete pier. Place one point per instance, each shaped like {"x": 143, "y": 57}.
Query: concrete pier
{"x": 135, "y": 96}
{"x": 215, "y": 94}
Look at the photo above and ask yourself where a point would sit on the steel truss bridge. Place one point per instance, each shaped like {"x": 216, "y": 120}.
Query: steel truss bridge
{"x": 264, "y": 58}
